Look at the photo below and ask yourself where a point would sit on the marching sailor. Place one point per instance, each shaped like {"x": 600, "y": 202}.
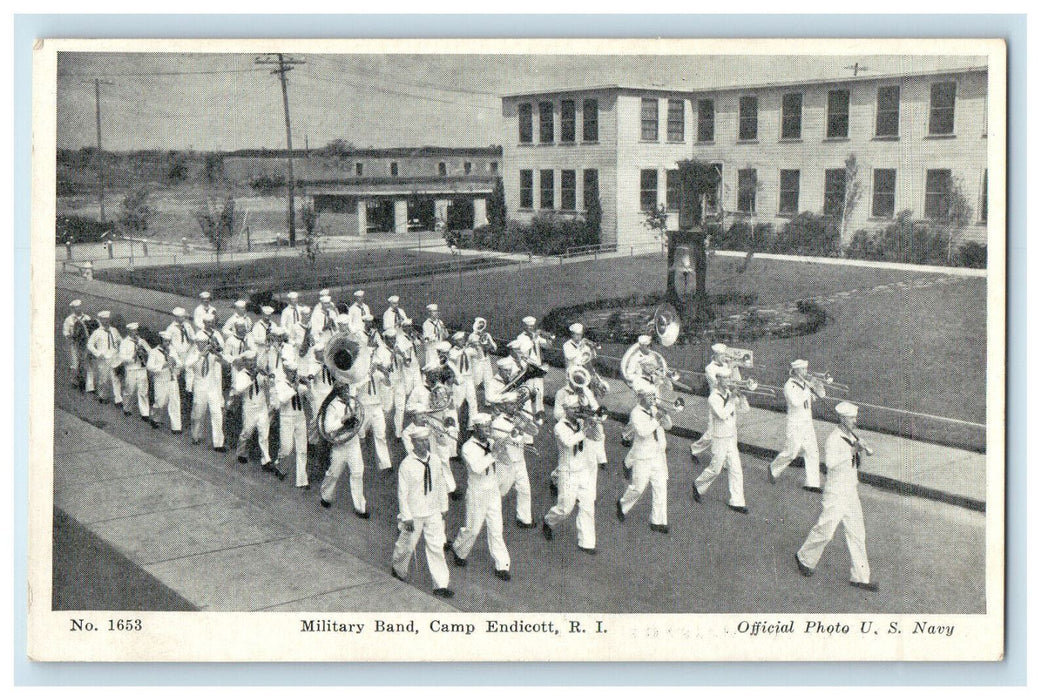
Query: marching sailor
{"x": 320, "y": 302}
{"x": 134, "y": 352}
{"x": 405, "y": 376}
{"x": 512, "y": 467}
{"x": 293, "y": 314}
{"x": 577, "y": 470}
{"x": 204, "y": 308}
{"x": 324, "y": 321}
{"x": 340, "y": 415}
{"x": 165, "y": 364}
{"x": 182, "y": 332}
{"x": 394, "y": 316}
{"x": 537, "y": 340}
{"x": 463, "y": 359}
{"x": 483, "y": 500}
{"x": 75, "y": 333}
{"x": 289, "y": 396}
{"x": 840, "y": 502}
{"x": 642, "y": 365}
{"x": 646, "y": 460}
{"x": 483, "y": 345}
{"x": 104, "y": 348}
{"x": 253, "y": 387}
{"x": 359, "y": 313}
{"x": 371, "y": 393}
{"x": 239, "y": 316}
{"x": 263, "y": 329}
{"x": 419, "y": 513}
{"x": 724, "y": 434}
{"x": 719, "y": 362}
{"x": 433, "y": 332}
{"x": 800, "y": 430}
{"x": 573, "y": 345}
{"x": 206, "y": 359}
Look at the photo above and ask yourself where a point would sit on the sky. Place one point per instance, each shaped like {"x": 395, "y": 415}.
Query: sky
{"x": 228, "y": 101}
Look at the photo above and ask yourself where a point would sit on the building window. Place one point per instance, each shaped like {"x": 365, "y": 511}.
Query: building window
{"x": 567, "y": 190}
{"x": 467, "y": 167}
{"x": 589, "y": 120}
{"x": 789, "y": 191}
{"x": 833, "y": 195}
{"x": 493, "y": 167}
{"x": 704, "y": 117}
{"x": 791, "y": 115}
{"x": 359, "y": 169}
{"x": 545, "y": 122}
{"x": 673, "y": 190}
{"x": 527, "y": 192}
{"x": 937, "y": 194}
{"x": 883, "y": 194}
{"x": 567, "y": 120}
{"x": 649, "y": 189}
{"x": 747, "y": 190}
{"x": 394, "y": 169}
{"x": 590, "y": 188}
{"x": 837, "y": 114}
{"x": 984, "y": 209}
{"x": 888, "y": 111}
{"x": 442, "y": 169}
{"x": 524, "y": 122}
{"x": 942, "y": 103}
{"x": 649, "y": 119}
{"x": 546, "y": 189}
{"x": 675, "y": 121}
{"x": 748, "y": 118}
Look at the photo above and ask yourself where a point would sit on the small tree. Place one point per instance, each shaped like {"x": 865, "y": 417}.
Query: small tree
{"x": 497, "y": 207}
{"x": 218, "y": 223}
{"x": 135, "y": 213}
{"x": 176, "y": 167}
{"x": 852, "y": 193}
{"x": 955, "y": 215}
{"x": 214, "y": 168}
{"x": 656, "y": 219}
{"x": 311, "y": 250}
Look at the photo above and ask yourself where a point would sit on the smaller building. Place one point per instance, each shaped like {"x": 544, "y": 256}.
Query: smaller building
{"x": 361, "y": 191}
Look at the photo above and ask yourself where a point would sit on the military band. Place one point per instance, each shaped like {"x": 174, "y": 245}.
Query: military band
{"x": 332, "y": 378}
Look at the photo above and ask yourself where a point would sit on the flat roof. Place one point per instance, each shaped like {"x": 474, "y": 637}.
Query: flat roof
{"x": 752, "y": 86}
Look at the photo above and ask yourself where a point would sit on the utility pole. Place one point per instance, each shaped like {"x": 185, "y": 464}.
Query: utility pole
{"x": 98, "y": 145}
{"x": 283, "y": 65}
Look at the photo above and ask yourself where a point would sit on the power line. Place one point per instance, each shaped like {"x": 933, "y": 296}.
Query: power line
{"x": 424, "y": 86}
{"x": 161, "y": 73}
{"x": 284, "y": 66}
{"x": 375, "y": 88}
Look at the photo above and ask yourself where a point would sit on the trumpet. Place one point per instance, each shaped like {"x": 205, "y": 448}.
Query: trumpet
{"x": 441, "y": 428}
{"x": 665, "y": 406}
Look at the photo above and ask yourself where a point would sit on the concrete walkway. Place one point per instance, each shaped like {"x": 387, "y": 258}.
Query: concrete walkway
{"x": 175, "y": 525}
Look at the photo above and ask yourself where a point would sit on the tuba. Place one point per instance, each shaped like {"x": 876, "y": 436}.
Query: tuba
{"x": 585, "y": 359}
{"x": 348, "y": 358}
{"x": 665, "y": 324}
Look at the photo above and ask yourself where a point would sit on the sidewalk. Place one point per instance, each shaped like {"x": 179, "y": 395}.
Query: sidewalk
{"x": 946, "y": 474}
{"x": 126, "y": 497}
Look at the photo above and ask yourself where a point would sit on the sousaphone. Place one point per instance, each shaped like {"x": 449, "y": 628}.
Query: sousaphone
{"x": 664, "y": 324}
{"x": 348, "y": 358}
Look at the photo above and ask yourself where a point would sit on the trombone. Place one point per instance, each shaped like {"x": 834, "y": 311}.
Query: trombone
{"x": 751, "y": 386}
{"x": 825, "y": 381}
{"x": 505, "y": 436}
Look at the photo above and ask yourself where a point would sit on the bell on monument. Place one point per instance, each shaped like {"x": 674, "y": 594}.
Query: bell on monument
{"x": 683, "y": 270}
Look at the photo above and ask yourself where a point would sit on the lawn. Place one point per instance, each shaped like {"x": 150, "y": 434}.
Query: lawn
{"x": 334, "y": 270}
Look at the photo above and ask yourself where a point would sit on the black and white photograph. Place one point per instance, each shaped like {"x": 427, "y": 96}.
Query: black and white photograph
{"x": 586, "y": 350}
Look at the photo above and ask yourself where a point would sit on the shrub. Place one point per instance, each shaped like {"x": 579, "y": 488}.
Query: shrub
{"x": 264, "y": 183}
{"x": 546, "y": 234}
{"x": 79, "y": 229}
{"x": 903, "y": 240}
{"x": 135, "y": 213}
{"x": 742, "y": 236}
{"x": 497, "y": 206}
{"x": 809, "y": 234}
{"x": 972, "y": 254}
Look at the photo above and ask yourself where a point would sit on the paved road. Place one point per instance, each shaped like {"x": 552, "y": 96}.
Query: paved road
{"x": 929, "y": 557}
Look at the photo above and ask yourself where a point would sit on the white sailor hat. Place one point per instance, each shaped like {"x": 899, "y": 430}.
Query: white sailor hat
{"x": 644, "y": 339}
{"x": 719, "y": 348}
{"x": 293, "y": 296}
{"x": 506, "y": 363}
{"x": 267, "y": 310}
{"x": 325, "y": 292}
{"x": 166, "y": 334}
{"x": 205, "y": 295}
{"x": 799, "y": 364}
{"x": 459, "y": 335}
{"x": 529, "y": 320}
{"x": 443, "y": 346}
{"x": 75, "y": 303}
{"x": 325, "y": 298}
{"x": 240, "y": 304}
{"x": 847, "y": 409}
{"x": 576, "y": 328}
{"x": 359, "y": 294}
{"x": 393, "y": 299}
{"x": 342, "y": 319}
{"x": 178, "y": 312}
{"x": 482, "y": 419}
{"x": 133, "y": 326}
{"x": 432, "y": 307}
{"x": 367, "y": 317}
{"x": 103, "y": 315}
{"x": 416, "y": 432}
{"x": 304, "y": 308}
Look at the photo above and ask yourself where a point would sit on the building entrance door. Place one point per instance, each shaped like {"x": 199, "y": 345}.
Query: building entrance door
{"x": 460, "y": 214}
{"x": 380, "y": 216}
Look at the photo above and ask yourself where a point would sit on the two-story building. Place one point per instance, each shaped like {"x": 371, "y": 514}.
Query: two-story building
{"x": 780, "y": 149}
